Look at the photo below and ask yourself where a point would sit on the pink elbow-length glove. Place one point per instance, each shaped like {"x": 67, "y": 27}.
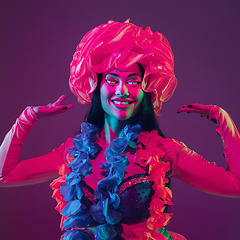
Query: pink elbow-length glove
{"x": 195, "y": 170}
{"x": 34, "y": 170}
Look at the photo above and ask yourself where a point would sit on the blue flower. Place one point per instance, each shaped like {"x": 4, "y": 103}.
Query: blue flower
{"x": 96, "y": 211}
{"x": 104, "y": 232}
{"x": 81, "y": 145}
{"x": 81, "y": 164}
{"x": 75, "y": 207}
{"x": 118, "y": 162}
{"x": 77, "y": 221}
{"x": 72, "y": 179}
{"x": 109, "y": 183}
{"x": 76, "y": 234}
{"x": 87, "y": 127}
{"x": 109, "y": 205}
{"x": 105, "y": 209}
{"x": 131, "y": 133}
{"x": 71, "y": 189}
{"x": 113, "y": 157}
{"x": 119, "y": 144}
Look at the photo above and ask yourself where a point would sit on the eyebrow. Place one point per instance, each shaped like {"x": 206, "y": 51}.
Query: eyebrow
{"x": 130, "y": 75}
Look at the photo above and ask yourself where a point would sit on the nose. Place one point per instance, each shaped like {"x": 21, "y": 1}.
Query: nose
{"x": 122, "y": 90}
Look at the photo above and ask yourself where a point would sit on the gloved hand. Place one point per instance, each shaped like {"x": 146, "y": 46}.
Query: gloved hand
{"x": 52, "y": 108}
{"x": 204, "y": 110}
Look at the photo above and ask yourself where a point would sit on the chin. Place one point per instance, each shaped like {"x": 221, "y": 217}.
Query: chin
{"x": 123, "y": 117}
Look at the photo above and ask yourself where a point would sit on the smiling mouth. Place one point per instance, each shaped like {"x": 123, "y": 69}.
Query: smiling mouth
{"x": 121, "y": 102}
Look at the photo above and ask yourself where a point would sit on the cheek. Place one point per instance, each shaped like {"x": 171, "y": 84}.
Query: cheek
{"x": 138, "y": 95}
{"x": 105, "y": 95}
{"x": 104, "y": 91}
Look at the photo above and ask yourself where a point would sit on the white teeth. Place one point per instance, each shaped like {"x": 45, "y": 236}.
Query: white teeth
{"x": 120, "y": 102}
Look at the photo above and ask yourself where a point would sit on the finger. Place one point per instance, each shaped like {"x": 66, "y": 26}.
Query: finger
{"x": 188, "y": 110}
{"x": 192, "y": 105}
{"x": 59, "y": 101}
{"x": 68, "y": 106}
{"x": 63, "y": 108}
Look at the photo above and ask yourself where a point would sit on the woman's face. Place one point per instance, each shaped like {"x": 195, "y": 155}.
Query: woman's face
{"x": 121, "y": 92}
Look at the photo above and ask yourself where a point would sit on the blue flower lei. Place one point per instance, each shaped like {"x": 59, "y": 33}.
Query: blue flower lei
{"x": 105, "y": 211}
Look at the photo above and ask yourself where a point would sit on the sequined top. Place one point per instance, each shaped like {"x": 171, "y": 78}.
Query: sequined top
{"x": 135, "y": 193}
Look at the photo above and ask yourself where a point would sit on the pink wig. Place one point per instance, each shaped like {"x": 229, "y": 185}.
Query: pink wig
{"x": 120, "y": 45}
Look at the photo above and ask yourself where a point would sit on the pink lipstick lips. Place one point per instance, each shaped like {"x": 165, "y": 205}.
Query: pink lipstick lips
{"x": 122, "y": 103}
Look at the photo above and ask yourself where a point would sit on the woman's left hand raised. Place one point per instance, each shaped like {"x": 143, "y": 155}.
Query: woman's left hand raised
{"x": 52, "y": 108}
{"x": 203, "y": 110}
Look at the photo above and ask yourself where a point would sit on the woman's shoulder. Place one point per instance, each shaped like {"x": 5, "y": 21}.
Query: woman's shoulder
{"x": 170, "y": 146}
{"x": 68, "y": 142}
{"x": 172, "y": 143}
{"x": 167, "y": 148}
{"x": 154, "y": 139}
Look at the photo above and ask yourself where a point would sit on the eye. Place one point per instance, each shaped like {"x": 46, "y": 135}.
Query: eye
{"x": 134, "y": 81}
{"x": 111, "y": 81}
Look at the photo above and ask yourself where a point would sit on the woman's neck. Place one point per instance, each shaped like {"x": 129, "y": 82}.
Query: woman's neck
{"x": 113, "y": 128}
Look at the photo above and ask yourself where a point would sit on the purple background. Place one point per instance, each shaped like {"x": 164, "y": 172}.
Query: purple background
{"x": 38, "y": 39}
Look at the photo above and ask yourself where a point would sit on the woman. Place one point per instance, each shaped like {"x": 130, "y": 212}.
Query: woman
{"x": 113, "y": 175}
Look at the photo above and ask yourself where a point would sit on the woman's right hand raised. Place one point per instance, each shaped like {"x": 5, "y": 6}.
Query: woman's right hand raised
{"x": 52, "y": 108}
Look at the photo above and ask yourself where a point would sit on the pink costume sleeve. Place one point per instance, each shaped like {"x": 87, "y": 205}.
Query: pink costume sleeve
{"x": 192, "y": 168}
{"x": 34, "y": 170}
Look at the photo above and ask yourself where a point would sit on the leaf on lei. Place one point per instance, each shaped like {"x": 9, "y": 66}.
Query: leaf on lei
{"x": 132, "y": 144}
{"x": 153, "y": 235}
{"x": 156, "y": 221}
{"x": 105, "y": 231}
